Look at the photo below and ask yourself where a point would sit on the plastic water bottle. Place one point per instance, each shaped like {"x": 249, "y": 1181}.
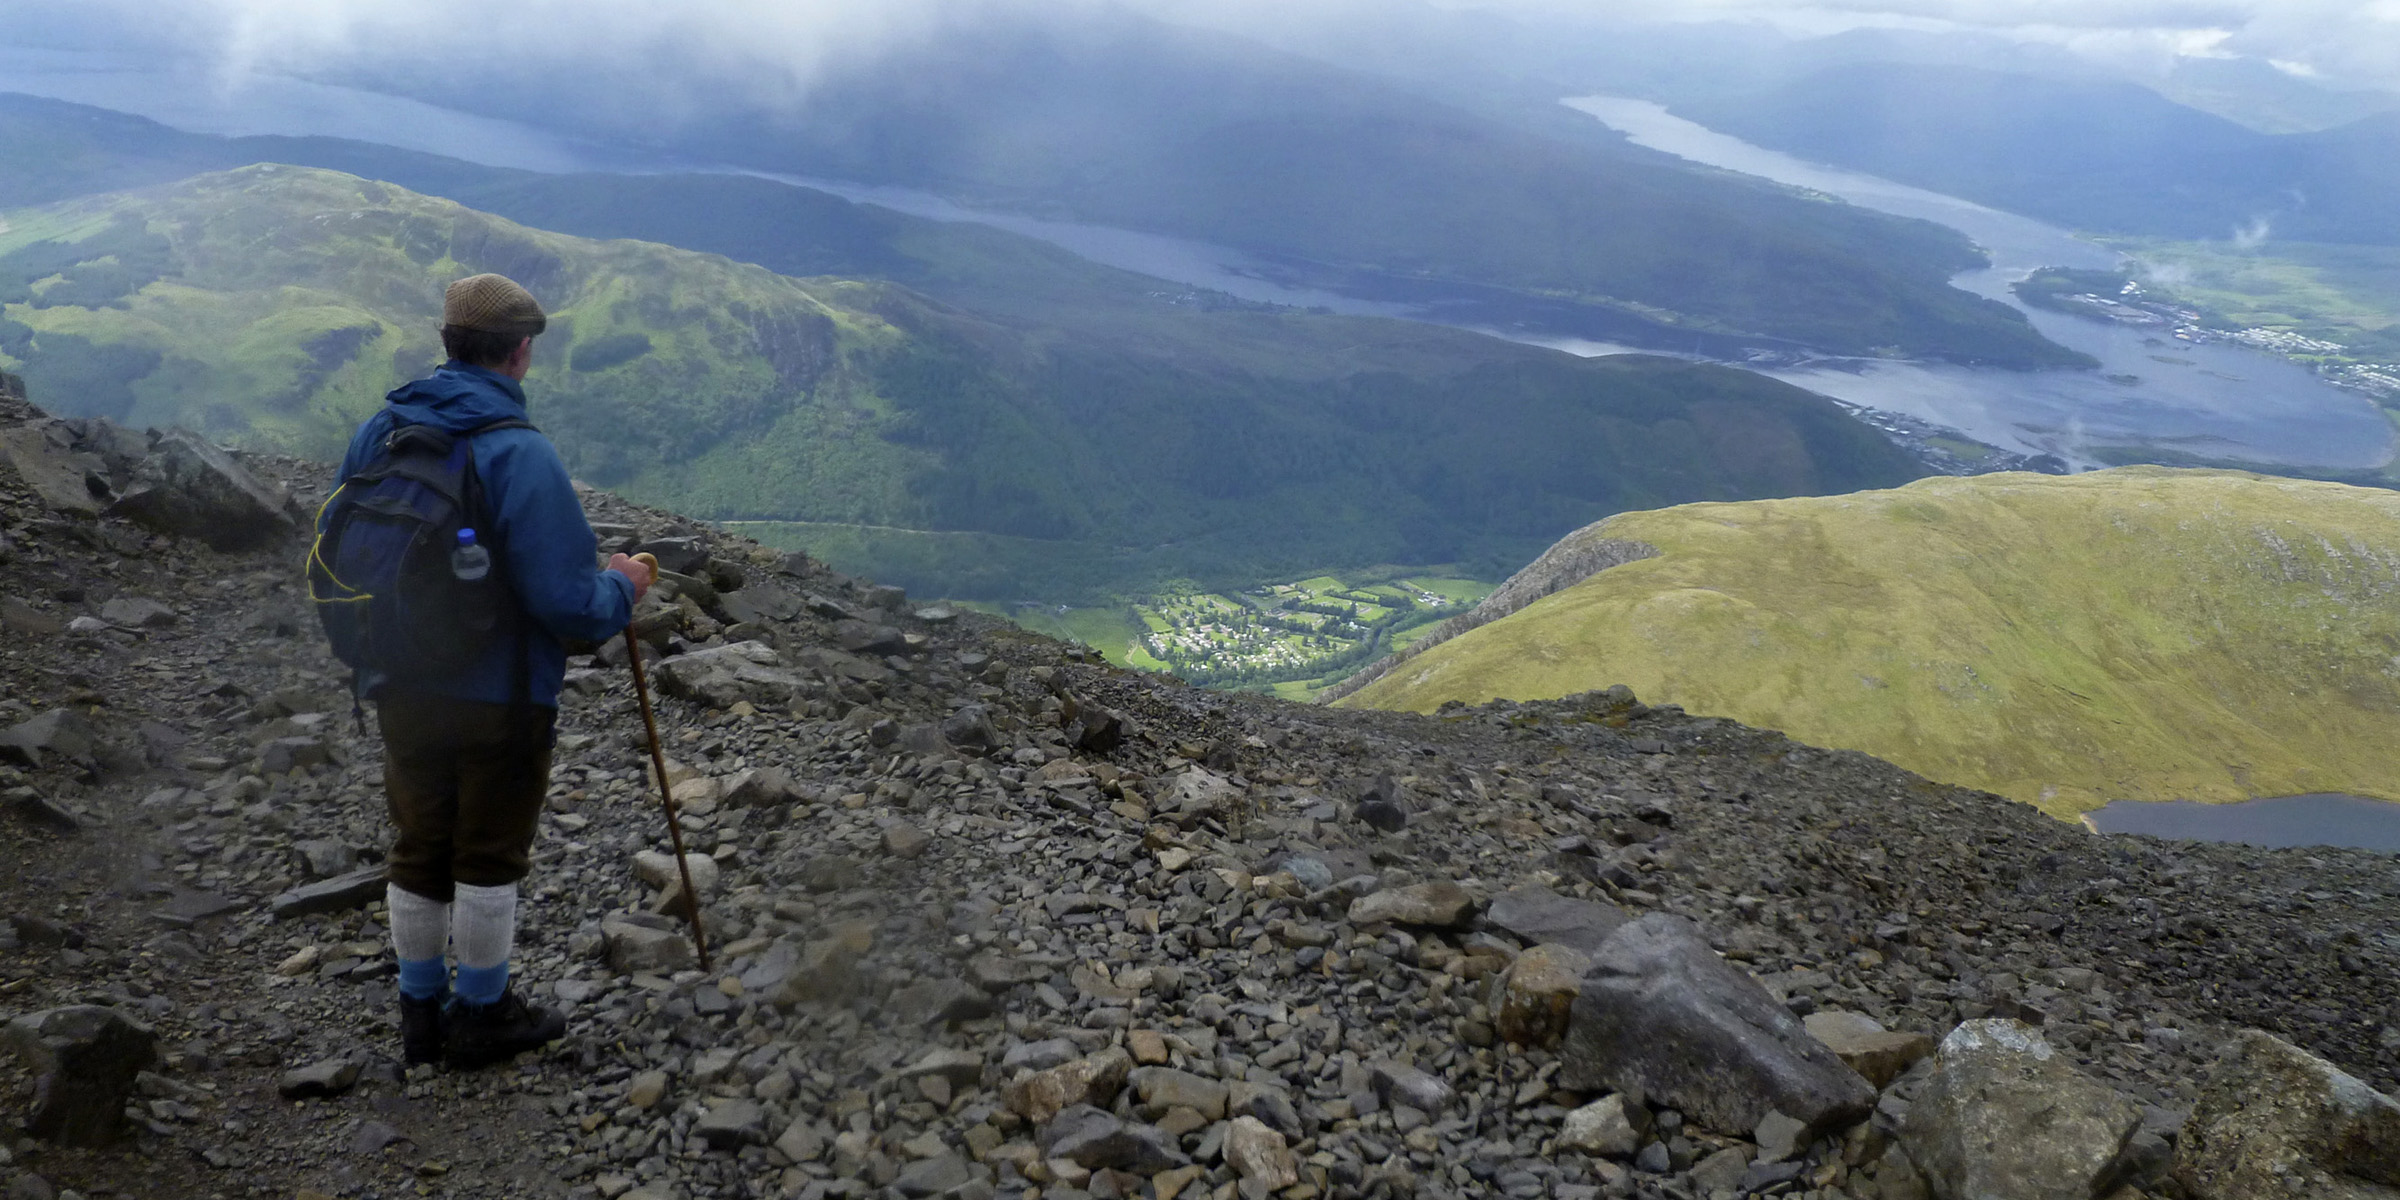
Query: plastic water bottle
{"x": 469, "y": 562}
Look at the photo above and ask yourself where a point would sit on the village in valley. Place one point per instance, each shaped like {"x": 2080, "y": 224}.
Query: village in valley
{"x": 1293, "y": 639}
{"x": 2129, "y": 302}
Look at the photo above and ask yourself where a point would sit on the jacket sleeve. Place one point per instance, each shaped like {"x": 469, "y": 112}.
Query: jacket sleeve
{"x": 549, "y": 546}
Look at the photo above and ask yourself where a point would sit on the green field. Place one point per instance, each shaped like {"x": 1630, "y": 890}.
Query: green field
{"x": 2345, "y": 294}
{"x": 2138, "y": 633}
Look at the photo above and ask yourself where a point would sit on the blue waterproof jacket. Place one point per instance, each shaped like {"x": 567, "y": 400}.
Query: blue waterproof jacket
{"x": 546, "y": 547}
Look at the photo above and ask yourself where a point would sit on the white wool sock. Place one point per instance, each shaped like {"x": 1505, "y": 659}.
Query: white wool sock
{"x": 420, "y": 926}
{"x": 483, "y": 925}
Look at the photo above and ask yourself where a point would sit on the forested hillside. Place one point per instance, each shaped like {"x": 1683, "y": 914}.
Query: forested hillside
{"x": 273, "y": 305}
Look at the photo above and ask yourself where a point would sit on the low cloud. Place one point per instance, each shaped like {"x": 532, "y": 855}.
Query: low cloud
{"x": 2354, "y": 43}
{"x": 694, "y": 50}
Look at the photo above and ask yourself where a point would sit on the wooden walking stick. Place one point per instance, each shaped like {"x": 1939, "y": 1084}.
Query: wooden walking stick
{"x": 666, "y": 795}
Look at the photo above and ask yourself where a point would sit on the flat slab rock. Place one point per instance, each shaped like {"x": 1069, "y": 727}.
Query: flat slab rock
{"x": 341, "y": 893}
{"x": 1535, "y": 915}
{"x": 1661, "y": 1013}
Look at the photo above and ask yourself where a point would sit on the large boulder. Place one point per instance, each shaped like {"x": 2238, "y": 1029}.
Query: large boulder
{"x": 83, "y": 1059}
{"x": 1535, "y": 915}
{"x": 2004, "y": 1116}
{"x": 1663, "y": 1015}
{"x": 43, "y": 455}
{"x": 723, "y": 676}
{"x": 192, "y": 488}
{"x": 2275, "y": 1122}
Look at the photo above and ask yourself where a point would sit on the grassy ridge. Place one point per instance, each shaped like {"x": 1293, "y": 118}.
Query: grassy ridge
{"x": 957, "y": 453}
{"x": 2138, "y": 633}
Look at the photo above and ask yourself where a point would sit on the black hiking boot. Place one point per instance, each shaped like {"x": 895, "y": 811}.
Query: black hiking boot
{"x": 480, "y": 1035}
{"x": 421, "y": 1030}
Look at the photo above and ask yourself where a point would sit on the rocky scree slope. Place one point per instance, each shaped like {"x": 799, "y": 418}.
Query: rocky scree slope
{"x": 990, "y": 917}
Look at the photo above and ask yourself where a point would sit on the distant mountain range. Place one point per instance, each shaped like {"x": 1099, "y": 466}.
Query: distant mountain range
{"x": 1085, "y": 433}
{"x": 2139, "y": 633}
{"x": 2092, "y": 154}
{"x": 1344, "y": 179}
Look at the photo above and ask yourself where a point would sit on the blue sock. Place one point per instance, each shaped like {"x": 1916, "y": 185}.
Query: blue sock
{"x": 423, "y": 978}
{"x": 481, "y": 985}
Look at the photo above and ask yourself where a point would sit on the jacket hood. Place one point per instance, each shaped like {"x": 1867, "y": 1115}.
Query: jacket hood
{"x": 458, "y": 397}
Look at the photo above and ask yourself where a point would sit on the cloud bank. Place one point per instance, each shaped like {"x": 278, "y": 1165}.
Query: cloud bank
{"x": 688, "y": 51}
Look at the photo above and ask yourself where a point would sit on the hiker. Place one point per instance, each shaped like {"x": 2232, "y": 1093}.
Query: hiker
{"x": 452, "y": 565}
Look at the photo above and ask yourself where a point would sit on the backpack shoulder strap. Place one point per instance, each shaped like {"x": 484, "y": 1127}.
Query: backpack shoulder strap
{"x": 502, "y": 423}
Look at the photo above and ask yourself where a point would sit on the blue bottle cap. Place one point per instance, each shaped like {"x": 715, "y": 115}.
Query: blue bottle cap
{"x": 466, "y": 537}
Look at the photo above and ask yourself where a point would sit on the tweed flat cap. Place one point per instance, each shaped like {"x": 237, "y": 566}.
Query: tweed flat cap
{"x": 494, "y": 304}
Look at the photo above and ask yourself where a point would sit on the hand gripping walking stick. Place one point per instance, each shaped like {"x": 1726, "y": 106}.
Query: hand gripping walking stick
{"x": 666, "y": 795}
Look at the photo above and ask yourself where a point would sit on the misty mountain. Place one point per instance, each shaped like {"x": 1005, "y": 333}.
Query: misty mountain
{"x": 1338, "y": 177}
{"x": 1039, "y": 426}
{"x": 2090, "y": 154}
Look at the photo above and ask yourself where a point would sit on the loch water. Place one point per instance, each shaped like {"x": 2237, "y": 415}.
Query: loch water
{"x": 2324, "y": 819}
{"x": 2151, "y": 394}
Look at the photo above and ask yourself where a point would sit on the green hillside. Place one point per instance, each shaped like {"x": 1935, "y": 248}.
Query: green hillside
{"x": 274, "y": 305}
{"x": 2139, "y": 633}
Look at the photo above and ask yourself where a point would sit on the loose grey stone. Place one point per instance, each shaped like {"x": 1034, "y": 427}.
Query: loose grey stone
{"x": 732, "y": 1124}
{"x": 325, "y": 1077}
{"x": 341, "y": 893}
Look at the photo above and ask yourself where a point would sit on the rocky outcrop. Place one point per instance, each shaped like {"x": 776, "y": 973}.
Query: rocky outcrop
{"x": 2278, "y": 1123}
{"x": 2005, "y": 1116}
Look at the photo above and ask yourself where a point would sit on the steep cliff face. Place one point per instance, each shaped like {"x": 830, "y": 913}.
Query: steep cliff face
{"x": 2139, "y": 633}
{"x": 958, "y": 879}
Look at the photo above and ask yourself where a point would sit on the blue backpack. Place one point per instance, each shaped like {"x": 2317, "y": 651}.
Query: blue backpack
{"x": 380, "y": 572}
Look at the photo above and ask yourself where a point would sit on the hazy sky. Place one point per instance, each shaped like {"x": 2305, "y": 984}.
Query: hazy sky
{"x": 776, "y": 43}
